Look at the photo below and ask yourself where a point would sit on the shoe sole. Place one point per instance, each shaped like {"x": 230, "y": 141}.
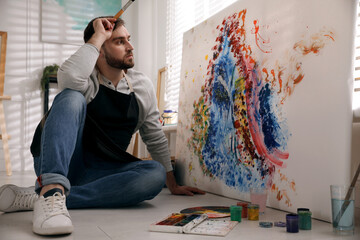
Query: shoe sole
{"x": 54, "y": 231}
{"x": 3, "y": 191}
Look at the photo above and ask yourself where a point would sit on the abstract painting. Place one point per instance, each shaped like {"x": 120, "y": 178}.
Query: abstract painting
{"x": 266, "y": 102}
{"x": 63, "y": 21}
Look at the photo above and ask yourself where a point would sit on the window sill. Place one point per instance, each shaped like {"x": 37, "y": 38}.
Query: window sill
{"x": 169, "y": 128}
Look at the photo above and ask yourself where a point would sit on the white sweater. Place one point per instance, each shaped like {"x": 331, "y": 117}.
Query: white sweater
{"x": 79, "y": 73}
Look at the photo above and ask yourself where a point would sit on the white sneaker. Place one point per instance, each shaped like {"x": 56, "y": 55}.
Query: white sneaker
{"x": 14, "y": 198}
{"x": 51, "y": 216}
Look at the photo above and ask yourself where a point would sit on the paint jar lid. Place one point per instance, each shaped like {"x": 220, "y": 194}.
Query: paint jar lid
{"x": 303, "y": 209}
{"x": 266, "y": 224}
{"x": 169, "y": 111}
{"x": 243, "y": 204}
{"x": 233, "y": 207}
{"x": 279, "y": 224}
{"x": 253, "y": 206}
{"x": 292, "y": 216}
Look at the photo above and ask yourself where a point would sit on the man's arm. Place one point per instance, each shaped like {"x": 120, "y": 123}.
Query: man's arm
{"x": 74, "y": 73}
{"x": 180, "y": 190}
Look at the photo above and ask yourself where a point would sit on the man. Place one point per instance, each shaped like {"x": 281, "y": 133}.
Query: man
{"x": 81, "y": 144}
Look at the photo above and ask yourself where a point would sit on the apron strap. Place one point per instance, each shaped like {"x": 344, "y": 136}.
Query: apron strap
{"x": 128, "y": 82}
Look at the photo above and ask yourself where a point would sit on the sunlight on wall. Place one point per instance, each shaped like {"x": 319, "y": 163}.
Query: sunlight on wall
{"x": 25, "y": 60}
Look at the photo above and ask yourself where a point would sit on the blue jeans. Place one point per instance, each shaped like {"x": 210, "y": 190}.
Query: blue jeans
{"x": 93, "y": 181}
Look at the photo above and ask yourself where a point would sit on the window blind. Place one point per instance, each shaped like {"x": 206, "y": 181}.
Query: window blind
{"x": 181, "y": 16}
{"x": 356, "y": 96}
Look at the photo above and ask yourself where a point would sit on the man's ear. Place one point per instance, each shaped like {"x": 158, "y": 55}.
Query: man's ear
{"x": 101, "y": 59}
{"x": 102, "y": 53}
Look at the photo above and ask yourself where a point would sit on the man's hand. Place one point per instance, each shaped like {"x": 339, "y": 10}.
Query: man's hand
{"x": 180, "y": 190}
{"x": 103, "y": 28}
{"x": 186, "y": 190}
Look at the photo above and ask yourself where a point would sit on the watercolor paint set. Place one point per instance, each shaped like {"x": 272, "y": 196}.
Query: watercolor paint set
{"x": 193, "y": 224}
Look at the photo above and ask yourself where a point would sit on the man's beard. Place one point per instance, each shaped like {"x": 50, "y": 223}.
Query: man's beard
{"x": 119, "y": 63}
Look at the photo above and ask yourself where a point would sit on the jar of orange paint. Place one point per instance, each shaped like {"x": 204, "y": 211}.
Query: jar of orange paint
{"x": 253, "y": 212}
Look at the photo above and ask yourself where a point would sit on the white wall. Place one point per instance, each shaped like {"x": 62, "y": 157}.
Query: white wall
{"x": 27, "y": 56}
{"x": 146, "y": 22}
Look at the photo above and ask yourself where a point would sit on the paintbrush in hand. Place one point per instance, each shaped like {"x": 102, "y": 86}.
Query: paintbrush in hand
{"x": 123, "y": 9}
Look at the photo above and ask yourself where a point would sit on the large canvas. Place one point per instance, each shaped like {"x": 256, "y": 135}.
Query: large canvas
{"x": 265, "y": 101}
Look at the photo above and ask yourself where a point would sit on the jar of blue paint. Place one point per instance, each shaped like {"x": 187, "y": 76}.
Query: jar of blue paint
{"x": 292, "y": 223}
{"x": 169, "y": 117}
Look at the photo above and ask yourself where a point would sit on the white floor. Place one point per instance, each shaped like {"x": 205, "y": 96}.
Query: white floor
{"x": 132, "y": 223}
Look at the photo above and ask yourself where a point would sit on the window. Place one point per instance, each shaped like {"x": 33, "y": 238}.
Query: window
{"x": 181, "y": 16}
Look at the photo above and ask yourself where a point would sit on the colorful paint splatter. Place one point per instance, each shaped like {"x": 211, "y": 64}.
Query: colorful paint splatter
{"x": 239, "y": 131}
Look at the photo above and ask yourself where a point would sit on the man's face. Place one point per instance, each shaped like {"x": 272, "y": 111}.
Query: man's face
{"x": 118, "y": 49}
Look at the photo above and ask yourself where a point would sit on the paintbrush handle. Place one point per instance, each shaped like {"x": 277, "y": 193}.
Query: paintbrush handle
{"x": 123, "y": 9}
{"x": 356, "y": 176}
{"x": 119, "y": 14}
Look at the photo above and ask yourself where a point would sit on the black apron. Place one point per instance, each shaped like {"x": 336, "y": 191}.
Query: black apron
{"x": 110, "y": 122}
{"x": 111, "y": 119}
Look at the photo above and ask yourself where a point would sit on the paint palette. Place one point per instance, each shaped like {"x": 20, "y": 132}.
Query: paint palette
{"x": 210, "y": 211}
{"x": 193, "y": 224}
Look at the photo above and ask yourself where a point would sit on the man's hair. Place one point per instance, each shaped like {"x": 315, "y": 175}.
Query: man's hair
{"x": 89, "y": 30}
